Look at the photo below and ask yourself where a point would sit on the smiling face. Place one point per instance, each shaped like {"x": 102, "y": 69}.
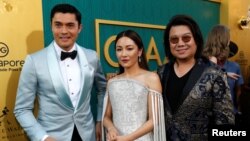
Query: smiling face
{"x": 182, "y": 44}
{"x": 65, "y": 29}
{"x": 127, "y": 52}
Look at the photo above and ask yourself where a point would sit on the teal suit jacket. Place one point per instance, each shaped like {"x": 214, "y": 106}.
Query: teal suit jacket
{"x": 41, "y": 77}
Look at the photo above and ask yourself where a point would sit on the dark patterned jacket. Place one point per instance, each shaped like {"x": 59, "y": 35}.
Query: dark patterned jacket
{"x": 205, "y": 103}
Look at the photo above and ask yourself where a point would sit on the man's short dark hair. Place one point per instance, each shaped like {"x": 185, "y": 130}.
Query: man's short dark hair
{"x": 65, "y": 8}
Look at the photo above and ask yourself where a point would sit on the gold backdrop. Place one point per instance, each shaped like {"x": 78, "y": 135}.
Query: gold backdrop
{"x": 21, "y": 33}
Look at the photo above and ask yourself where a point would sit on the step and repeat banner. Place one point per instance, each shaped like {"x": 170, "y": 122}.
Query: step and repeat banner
{"x": 21, "y": 33}
{"x": 25, "y": 28}
{"x": 103, "y": 19}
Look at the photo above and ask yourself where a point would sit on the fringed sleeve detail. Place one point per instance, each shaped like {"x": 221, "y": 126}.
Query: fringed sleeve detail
{"x": 159, "y": 133}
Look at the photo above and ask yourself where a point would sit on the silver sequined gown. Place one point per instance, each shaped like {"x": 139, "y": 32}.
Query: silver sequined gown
{"x": 129, "y": 101}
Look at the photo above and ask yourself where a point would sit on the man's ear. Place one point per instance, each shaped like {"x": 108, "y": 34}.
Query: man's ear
{"x": 80, "y": 28}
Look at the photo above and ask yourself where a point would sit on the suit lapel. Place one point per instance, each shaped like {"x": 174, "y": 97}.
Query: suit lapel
{"x": 86, "y": 73}
{"x": 164, "y": 80}
{"x": 56, "y": 77}
{"x": 193, "y": 78}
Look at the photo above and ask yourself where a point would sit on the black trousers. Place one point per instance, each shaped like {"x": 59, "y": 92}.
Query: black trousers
{"x": 76, "y": 136}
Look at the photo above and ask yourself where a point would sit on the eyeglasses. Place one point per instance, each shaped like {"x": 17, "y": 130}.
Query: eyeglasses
{"x": 184, "y": 38}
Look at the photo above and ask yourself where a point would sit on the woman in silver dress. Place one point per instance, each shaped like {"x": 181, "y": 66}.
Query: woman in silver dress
{"x": 133, "y": 107}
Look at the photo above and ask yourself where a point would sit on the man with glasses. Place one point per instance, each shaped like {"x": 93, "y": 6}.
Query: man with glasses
{"x": 195, "y": 92}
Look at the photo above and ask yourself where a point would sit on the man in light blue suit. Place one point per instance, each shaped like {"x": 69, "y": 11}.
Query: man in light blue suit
{"x": 61, "y": 76}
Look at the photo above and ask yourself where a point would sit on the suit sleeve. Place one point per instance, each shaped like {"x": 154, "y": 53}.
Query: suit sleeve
{"x": 222, "y": 101}
{"x": 100, "y": 84}
{"x": 26, "y": 94}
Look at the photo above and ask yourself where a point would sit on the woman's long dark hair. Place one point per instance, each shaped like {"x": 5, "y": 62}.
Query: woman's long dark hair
{"x": 138, "y": 41}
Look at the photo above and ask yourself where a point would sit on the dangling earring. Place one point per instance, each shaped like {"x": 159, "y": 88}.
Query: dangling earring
{"x": 139, "y": 59}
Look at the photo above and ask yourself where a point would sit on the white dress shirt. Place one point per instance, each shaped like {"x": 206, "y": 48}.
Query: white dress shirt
{"x": 71, "y": 73}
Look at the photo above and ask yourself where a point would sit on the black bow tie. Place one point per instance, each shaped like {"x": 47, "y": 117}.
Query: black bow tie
{"x": 65, "y": 55}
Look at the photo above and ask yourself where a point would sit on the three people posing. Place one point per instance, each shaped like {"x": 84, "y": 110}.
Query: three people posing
{"x": 195, "y": 92}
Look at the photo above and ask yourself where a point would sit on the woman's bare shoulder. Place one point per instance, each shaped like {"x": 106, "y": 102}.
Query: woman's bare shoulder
{"x": 153, "y": 81}
{"x": 151, "y": 76}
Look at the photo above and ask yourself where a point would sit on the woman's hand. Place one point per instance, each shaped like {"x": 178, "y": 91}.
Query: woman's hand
{"x": 112, "y": 134}
{"x": 123, "y": 138}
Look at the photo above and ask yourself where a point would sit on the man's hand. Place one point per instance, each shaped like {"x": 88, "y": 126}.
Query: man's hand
{"x": 233, "y": 75}
{"x": 50, "y": 139}
{"x": 98, "y": 131}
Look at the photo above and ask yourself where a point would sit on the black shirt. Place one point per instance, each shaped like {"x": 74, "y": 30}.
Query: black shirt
{"x": 175, "y": 88}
